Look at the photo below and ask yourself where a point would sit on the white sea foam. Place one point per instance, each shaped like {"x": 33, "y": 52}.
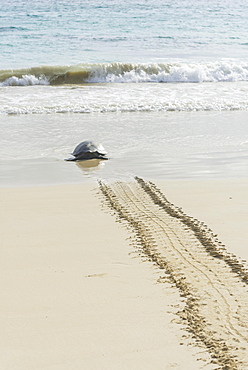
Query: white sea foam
{"x": 25, "y": 80}
{"x": 94, "y": 98}
{"x": 175, "y": 72}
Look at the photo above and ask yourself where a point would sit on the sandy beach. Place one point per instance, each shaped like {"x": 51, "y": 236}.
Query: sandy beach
{"x": 138, "y": 262}
{"x": 77, "y": 292}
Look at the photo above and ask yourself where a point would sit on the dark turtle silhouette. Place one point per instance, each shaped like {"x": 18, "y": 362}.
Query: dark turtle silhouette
{"x": 88, "y": 150}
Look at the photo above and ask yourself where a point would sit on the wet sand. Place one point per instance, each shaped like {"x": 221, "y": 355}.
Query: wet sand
{"x": 80, "y": 290}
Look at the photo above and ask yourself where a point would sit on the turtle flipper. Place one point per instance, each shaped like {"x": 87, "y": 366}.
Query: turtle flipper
{"x": 70, "y": 159}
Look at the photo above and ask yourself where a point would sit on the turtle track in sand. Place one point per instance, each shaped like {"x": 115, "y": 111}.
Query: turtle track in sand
{"x": 212, "y": 282}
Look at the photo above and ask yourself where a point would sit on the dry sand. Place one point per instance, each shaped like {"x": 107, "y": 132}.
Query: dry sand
{"x": 76, "y": 295}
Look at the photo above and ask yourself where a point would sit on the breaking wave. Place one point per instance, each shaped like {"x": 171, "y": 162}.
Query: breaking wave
{"x": 25, "y": 80}
{"x": 226, "y": 71}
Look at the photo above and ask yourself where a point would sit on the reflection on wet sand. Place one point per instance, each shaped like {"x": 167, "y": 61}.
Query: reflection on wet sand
{"x": 91, "y": 164}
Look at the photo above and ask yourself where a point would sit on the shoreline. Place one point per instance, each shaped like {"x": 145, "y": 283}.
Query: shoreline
{"x": 75, "y": 291}
{"x": 177, "y": 145}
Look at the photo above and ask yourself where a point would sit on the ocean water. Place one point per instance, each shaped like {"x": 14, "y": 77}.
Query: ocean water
{"x": 162, "y": 84}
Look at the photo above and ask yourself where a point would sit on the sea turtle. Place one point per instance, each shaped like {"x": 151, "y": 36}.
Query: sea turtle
{"x": 88, "y": 150}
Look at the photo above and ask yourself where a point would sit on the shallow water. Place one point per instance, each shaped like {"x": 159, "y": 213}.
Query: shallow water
{"x": 156, "y": 145}
{"x": 162, "y": 84}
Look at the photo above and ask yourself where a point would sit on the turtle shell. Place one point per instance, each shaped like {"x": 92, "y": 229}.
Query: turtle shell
{"x": 88, "y": 147}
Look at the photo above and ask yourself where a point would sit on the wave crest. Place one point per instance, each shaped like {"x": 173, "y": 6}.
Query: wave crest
{"x": 227, "y": 71}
